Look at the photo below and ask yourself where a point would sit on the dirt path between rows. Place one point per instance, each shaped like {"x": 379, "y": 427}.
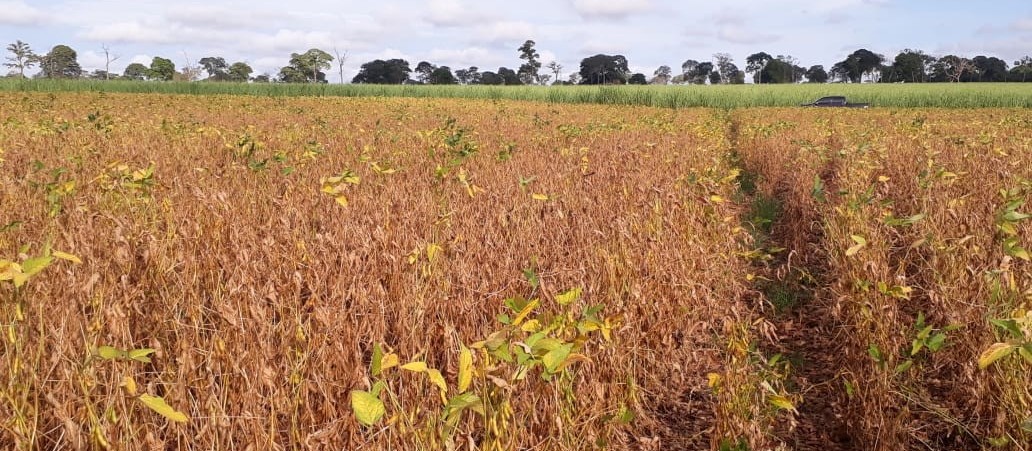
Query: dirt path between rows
{"x": 790, "y": 296}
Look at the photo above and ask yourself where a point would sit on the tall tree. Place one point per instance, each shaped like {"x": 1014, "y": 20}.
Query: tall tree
{"x": 1022, "y": 70}
{"x": 239, "y": 72}
{"x": 162, "y": 69}
{"x": 423, "y": 71}
{"x": 725, "y": 67}
{"x": 688, "y": 68}
{"x": 341, "y": 57}
{"x": 857, "y": 64}
{"x": 470, "y": 76}
{"x": 953, "y": 68}
{"x": 637, "y": 79}
{"x": 108, "y": 59}
{"x": 509, "y": 76}
{"x": 816, "y": 74}
{"x": 662, "y": 75}
{"x": 390, "y": 72}
{"x": 989, "y": 68}
{"x": 909, "y": 66}
{"x": 307, "y": 67}
{"x": 528, "y": 71}
{"x": 776, "y": 71}
{"x": 556, "y": 69}
{"x": 61, "y": 62}
{"x": 491, "y": 78}
{"x": 136, "y": 71}
{"x": 755, "y": 64}
{"x": 604, "y": 69}
{"x": 21, "y": 57}
{"x": 216, "y": 67}
{"x": 443, "y": 76}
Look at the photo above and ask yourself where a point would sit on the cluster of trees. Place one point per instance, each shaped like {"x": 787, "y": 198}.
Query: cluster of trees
{"x": 909, "y": 66}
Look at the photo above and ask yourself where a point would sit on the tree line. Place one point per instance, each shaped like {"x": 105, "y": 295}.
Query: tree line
{"x": 908, "y": 66}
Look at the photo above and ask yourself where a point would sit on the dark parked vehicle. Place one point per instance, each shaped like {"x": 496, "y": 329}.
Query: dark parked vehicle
{"x": 836, "y": 101}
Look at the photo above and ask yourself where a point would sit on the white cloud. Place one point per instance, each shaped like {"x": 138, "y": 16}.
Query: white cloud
{"x": 454, "y": 13}
{"x": 611, "y": 9}
{"x": 743, "y": 35}
{"x": 506, "y": 32}
{"x": 149, "y": 32}
{"x": 1024, "y": 24}
{"x": 472, "y": 56}
{"x": 20, "y": 13}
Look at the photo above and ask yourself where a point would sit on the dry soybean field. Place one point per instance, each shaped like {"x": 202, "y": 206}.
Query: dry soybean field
{"x": 232, "y": 272}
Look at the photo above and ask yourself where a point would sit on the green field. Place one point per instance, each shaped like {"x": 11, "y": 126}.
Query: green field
{"x": 964, "y": 95}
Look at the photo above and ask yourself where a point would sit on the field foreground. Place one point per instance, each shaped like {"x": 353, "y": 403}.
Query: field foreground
{"x": 229, "y": 272}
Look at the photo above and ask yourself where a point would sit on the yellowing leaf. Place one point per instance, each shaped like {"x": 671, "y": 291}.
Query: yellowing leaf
{"x": 781, "y": 402}
{"x": 368, "y": 409}
{"x": 140, "y": 355}
{"x": 432, "y": 251}
{"x": 389, "y": 361}
{"x": 531, "y": 326}
{"x": 533, "y": 304}
{"x": 541, "y": 197}
{"x": 465, "y": 368}
{"x": 713, "y": 379}
{"x": 417, "y": 367}
{"x": 111, "y": 353}
{"x": 129, "y": 384}
{"x": 860, "y": 244}
{"x": 158, "y": 404}
{"x": 437, "y": 379}
{"x": 343, "y": 201}
{"x": 66, "y": 256}
{"x": 568, "y": 297}
{"x": 716, "y": 199}
{"x": 883, "y": 179}
{"x": 995, "y": 352}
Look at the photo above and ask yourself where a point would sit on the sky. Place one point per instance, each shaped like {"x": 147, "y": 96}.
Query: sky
{"x": 486, "y": 33}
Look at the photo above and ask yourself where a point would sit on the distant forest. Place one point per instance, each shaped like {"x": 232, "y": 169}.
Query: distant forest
{"x": 908, "y": 66}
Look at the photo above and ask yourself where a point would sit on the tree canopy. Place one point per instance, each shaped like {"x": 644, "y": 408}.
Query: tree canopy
{"x": 604, "y": 69}
{"x": 389, "y": 72}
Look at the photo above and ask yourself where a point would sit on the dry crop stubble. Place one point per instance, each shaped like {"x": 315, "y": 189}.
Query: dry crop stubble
{"x": 263, "y": 296}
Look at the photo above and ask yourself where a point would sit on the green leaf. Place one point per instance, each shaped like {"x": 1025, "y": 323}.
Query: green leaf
{"x": 532, "y": 278}
{"x": 556, "y": 357}
{"x": 1009, "y": 325}
{"x": 375, "y": 363}
{"x": 904, "y": 366}
{"x": 33, "y": 266}
{"x": 568, "y": 297}
{"x": 158, "y": 404}
{"x": 995, "y": 352}
{"x": 463, "y": 401}
{"x": 875, "y": 353}
{"x": 368, "y": 409}
{"x": 1026, "y": 352}
{"x": 111, "y": 353}
{"x": 1014, "y": 216}
{"x": 546, "y": 345}
{"x": 935, "y": 343}
{"x": 141, "y": 355}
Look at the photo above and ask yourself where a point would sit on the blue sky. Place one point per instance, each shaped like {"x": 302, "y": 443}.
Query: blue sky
{"x": 462, "y": 33}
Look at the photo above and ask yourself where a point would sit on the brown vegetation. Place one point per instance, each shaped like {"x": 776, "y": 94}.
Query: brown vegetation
{"x": 263, "y": 247}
